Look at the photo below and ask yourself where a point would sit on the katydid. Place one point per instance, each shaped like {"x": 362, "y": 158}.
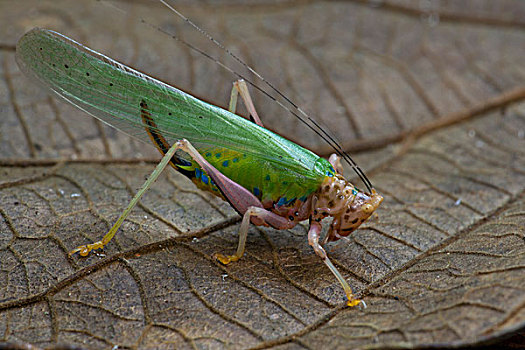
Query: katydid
{"x": 267, "y": 179}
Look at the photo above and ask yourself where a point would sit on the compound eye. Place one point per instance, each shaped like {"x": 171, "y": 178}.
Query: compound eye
{"x": 368, "y": 208}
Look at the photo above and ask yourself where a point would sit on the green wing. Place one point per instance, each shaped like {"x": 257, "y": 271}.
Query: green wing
{"x": 113, "y": 93}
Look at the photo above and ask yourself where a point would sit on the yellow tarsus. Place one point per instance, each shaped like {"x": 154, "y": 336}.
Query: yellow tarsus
{"x": 353, "y": 302}
{"x": 226, "y": 259}
{"x": 84, "y": 250}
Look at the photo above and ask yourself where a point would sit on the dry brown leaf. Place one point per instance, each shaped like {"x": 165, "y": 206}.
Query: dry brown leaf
{"x": 443, "y": 264}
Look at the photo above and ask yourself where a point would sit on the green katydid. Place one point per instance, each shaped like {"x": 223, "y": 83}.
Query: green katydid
{"x": 267, "y": 179}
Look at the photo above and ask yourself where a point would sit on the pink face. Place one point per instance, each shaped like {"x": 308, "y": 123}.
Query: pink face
{"x": 354, "y": 215}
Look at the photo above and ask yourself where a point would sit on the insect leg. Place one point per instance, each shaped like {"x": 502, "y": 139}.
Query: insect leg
{"x": 246, "y": 204}
{"x": 313, "y": 240}
{"x": 232, "y": 107}
{"x": 266, "y": 216}
{"x": 240, "y": 87}
{"x": 335, "y": 160}
{"x": 85, "y": 249}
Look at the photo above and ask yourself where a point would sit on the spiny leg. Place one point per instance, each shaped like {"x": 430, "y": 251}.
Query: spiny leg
{"x": 313, "y": 240}
{"x": 85, "y": 249}
{"x": 240, "y": 87}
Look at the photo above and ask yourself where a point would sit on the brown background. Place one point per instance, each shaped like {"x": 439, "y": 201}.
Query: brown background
{"x": 426, "y": 94}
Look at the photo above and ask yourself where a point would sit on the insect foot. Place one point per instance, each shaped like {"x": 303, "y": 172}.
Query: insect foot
{"x": 356, "y": 302}
{"x": 84, "y": 250}
{"x": 226, "y": 259}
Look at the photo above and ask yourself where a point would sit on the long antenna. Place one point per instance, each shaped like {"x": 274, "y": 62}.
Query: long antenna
{"x": 301, "y": 115}
{"x": 317, "y": 129}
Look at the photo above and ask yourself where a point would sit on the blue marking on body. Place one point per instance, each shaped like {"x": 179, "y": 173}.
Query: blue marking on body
{"x": 208, "y": 154}
{"x": 354, "y": 192}
{"x": 331, "y": 169}
{"x": 198, "y": 173}
{"x": 184, "y": 162}
{"x": 281, "y": 201}
{"x": 225, "y": 163}
{"x": 256, "y": 191}
{"x": 284, "y": 201}
{"x": 218, "y": 155}
{"x": 235, "y": 160}
{"x": 204, "y": 179}
{"x": 267, "y": 178}
{"x": 329, "y": 174}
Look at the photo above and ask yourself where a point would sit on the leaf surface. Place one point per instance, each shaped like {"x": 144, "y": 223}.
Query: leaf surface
{"x": 431, "y": 96}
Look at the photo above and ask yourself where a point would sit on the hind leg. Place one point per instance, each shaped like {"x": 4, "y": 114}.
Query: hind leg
{"x": 84, "y": 250}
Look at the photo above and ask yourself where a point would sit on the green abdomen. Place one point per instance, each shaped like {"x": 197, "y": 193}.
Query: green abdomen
{"x": 267, "y": 181}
